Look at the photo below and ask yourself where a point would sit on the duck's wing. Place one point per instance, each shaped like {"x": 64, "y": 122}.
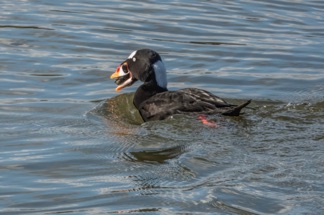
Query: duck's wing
{"x": 165, "y": 104}
{"x": 206, "y": 96}
{"x": 189, "y": 100}
{"x": 221, "y": 106}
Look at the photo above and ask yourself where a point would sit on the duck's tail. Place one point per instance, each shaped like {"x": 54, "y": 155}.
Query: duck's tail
{"x": 235, "y": 111}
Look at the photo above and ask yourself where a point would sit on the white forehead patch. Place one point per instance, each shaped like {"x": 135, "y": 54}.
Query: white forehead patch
{"x": 132, "y": 55}
{"x": 160, "y": 74}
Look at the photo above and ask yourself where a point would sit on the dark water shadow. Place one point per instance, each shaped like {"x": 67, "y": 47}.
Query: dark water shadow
{"x": 156, "y": 156}
{"x": 201, "y": 42}
{"x": 25, "y": 27}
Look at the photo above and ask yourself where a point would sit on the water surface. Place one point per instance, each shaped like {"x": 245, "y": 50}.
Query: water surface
{"x": 68, "y": 145}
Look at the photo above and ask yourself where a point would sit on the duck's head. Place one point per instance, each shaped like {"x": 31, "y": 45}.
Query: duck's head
{"x": 145, "y": 65}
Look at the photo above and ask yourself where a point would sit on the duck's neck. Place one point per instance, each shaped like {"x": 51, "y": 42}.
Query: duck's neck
{"x": 146, "y": 91}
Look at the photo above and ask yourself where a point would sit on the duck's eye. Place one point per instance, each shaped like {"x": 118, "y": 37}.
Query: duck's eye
{"x": 125, "y": 68}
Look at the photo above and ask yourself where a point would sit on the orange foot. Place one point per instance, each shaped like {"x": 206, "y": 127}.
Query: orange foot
{"x": 205, "y": 121}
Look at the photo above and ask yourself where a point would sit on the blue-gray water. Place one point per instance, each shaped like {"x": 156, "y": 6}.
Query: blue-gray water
{"x": 68, "y": 146}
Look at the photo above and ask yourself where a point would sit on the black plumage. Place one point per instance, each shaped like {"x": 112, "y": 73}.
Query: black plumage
{"x": 155, "y": 102}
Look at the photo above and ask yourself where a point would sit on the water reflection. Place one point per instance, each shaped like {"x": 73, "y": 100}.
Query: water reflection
{"x": 159, "y": 156}
{"x": 69, "y": 144}
{"x": 28, "y": 27}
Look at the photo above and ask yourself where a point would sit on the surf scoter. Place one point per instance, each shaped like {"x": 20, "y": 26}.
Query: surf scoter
{"x": 154, "y": 101}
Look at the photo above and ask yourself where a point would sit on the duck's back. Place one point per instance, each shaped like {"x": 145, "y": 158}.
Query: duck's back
{"x": 189, "y": 100}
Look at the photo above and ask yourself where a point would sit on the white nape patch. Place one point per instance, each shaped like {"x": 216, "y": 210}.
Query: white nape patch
{"x": 160, "y": 74}
{"x": 132, "y": 54}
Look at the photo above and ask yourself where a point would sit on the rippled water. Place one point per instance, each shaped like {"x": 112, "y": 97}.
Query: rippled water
{"x": 68, "y": 145}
